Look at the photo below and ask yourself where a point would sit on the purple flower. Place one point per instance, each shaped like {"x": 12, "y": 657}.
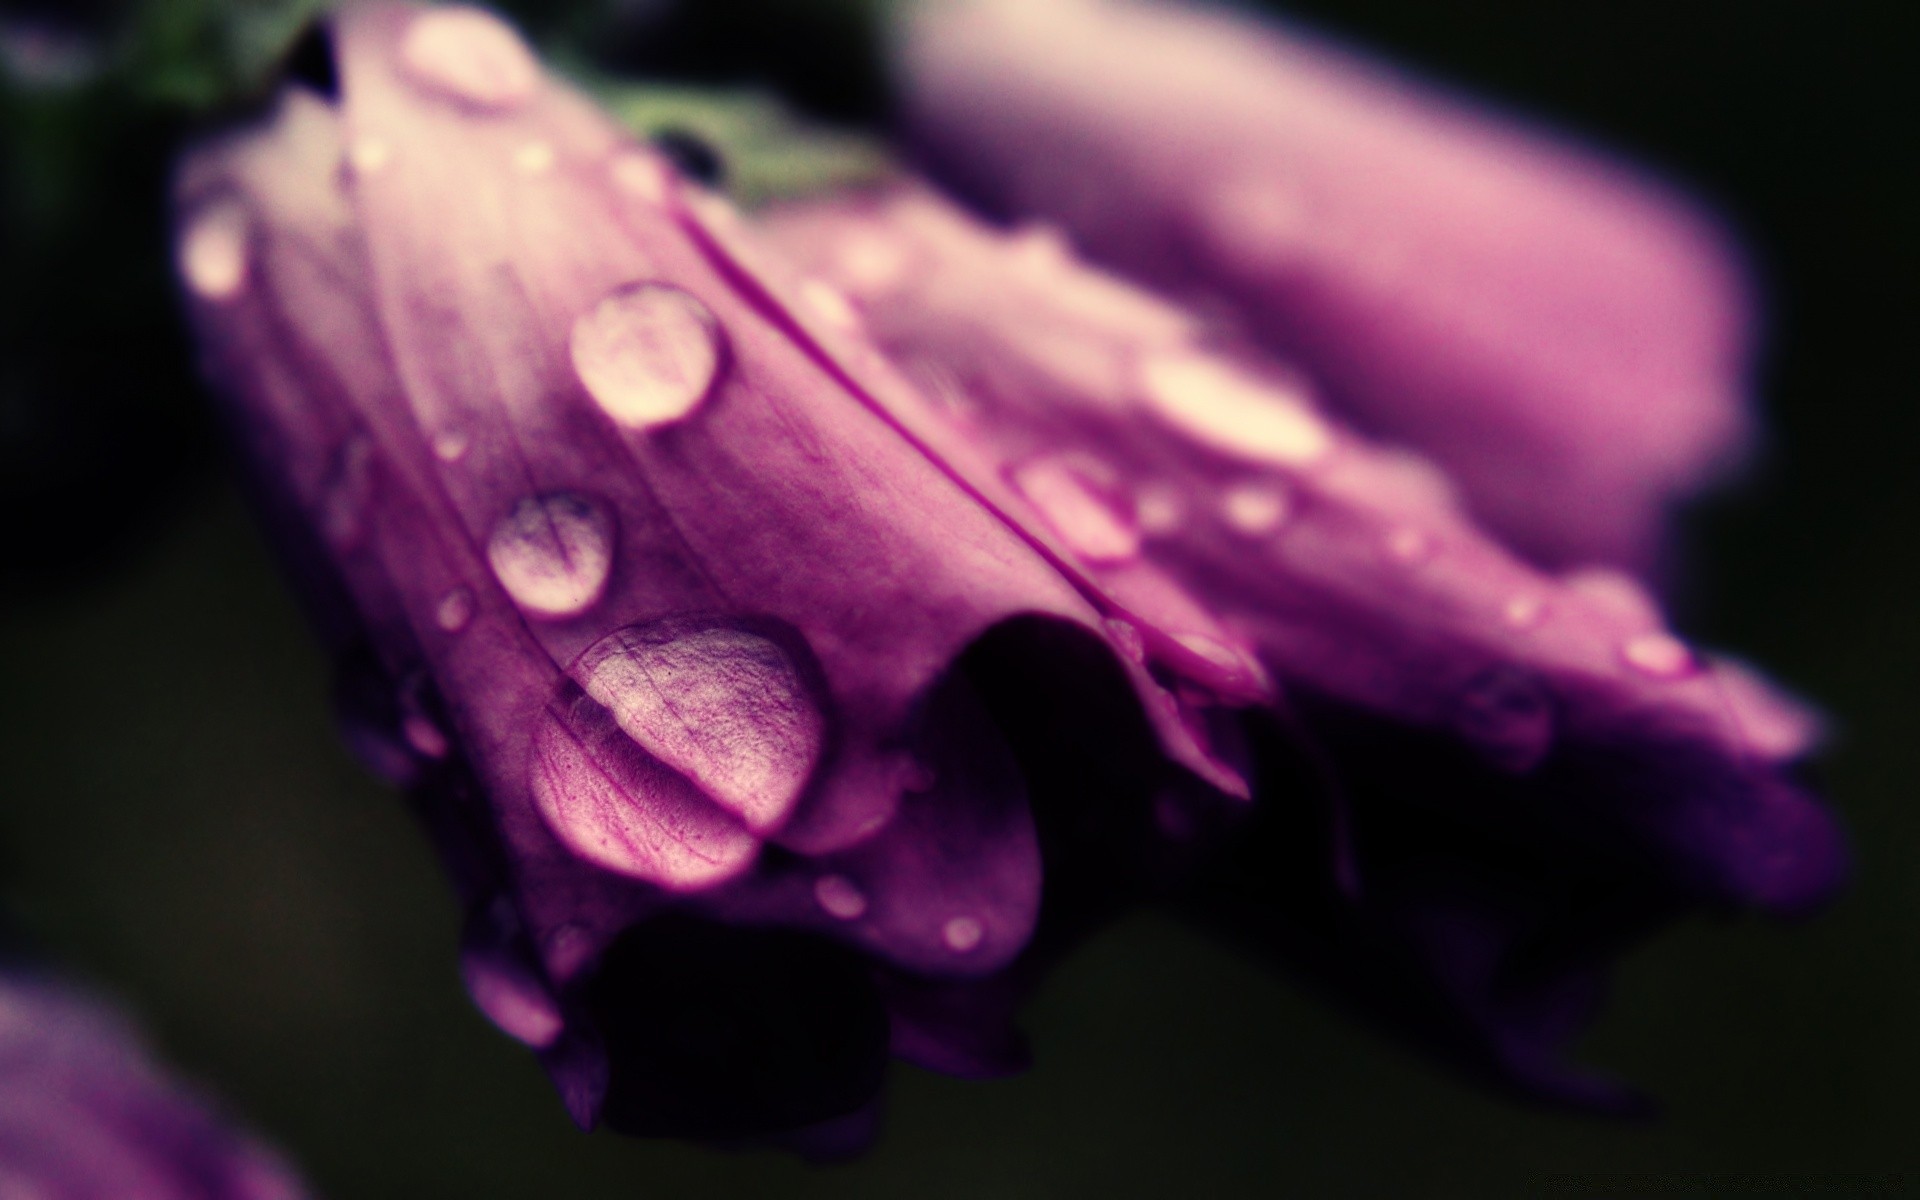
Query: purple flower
{"x": 786, "y": 688}
{"x": 1567, "y": 340}
{"x": 85, "y": 1116}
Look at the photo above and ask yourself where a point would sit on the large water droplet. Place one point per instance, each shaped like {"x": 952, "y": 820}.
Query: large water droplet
{"x": 642, "y": 175}
{"x": 1508, "y": 714}
{"x": 617, "y": 806}
{"x": 1227, "y": 410}
{"x": 471, "y": 56}
{"x": 1159, "y": 509}
{"x": 455, "y": 610}
{"x": 1088, "y": 524}
{"x": 1254, "y": 508}
{"x": 963, "y": 935}
{"x": 511, "y": 998}
{"x": 553, "y": 553}
{"x": 1658, "y": 654}
{"x": 213, "y": 252}
{"x": 647, "y": 354}
{"x": 723, "y": 705}
{"x": 840, "y": 897}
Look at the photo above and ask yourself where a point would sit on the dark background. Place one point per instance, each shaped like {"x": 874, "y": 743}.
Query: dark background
{"x": 178, "y": 823}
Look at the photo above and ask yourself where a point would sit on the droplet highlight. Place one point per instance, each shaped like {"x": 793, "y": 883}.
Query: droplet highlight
{"x": 1088, "y": 525}
{"x": 839, "y": 897}
{"x": 1408, "y": 545}
{"x": 829, "y": 304}
{"x": 724, "y": 706}
{"x": 471, "y": 56}
{"x": 1254, "y": 509}
{"x": 553, "y": 554}
{"x": 212, "y": 256}
{"x": 534, "y": 158}
{"x": 1524, "y": 611}
{"x": 369, "y": 155}
{"x": 647, "y": 353}
{"x": 1658, "y": 654}
{"x": 455, "y": 610}
{"x": 1227, "y": 410}
{"x": 963, "y": 935}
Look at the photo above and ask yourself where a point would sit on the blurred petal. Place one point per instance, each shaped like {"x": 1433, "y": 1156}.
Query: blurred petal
{"x": 1569, "y": 341}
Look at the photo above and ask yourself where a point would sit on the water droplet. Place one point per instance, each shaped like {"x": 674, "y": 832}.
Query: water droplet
{"x": 1508, "y": 714}
{"x": 1159, "y": 509}
{"x": 1524, "y": 611}
{"x": 724, "y": 706}
{"x": 963, "y": 934}
{"x": 471, "y": 56}
{"x": 369, "y": 155}
{"x": 840, "y": 897}
{"x": 213, "y": 253}
{"x": 1617, "y": 592}
{"x": 829, "y": 304}
{"x": 534, "y": 158}
{"x": 648, "y": 354}
{"x": 455, "y": 610}
{"x": 1086, "y": 523}
{"x": 1227, "y": 410}
{"x": 1658, "y": 654}
{"x": 553, "y": 553}
{"x": 618, "y": 807}
{"x": 641, "y": 175}
{"x": 1409, "y": 545}
{"x": 1255, "y": 508}
{"x": 450, "y": 445}
{"x": 871, "y": 263}
{"x": 423, "y": 735}
{"x": 512, "y": 999}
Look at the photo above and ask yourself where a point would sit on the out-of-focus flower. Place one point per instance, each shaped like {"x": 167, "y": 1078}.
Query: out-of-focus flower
{"x": 1534, "y": 765}
{"x": 84, "y": 1115}
{"x": 1568, "y": 341}
{"x": 783, "y": 696}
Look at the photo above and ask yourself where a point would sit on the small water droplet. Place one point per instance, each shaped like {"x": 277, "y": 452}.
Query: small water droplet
{"x": 840, "y": 897}
{"x": 1088, "y": 524}
{"x": 1617, "y": 592}
{"x": 647, "y": 353}
{"x": 423, "y": 735}
{"x": 1508, "y": 714}
{"x": 871, "y": 263}
{"x": 1255, "y": 508}
{"x": 534, "y": 158}
{"x": 213, "y": 252}
{"x": 963, "y": 934}
{"x": 512, "y": 999}
{"x": 1658, "y": 654}
{"x": 450, "y": 445}
{"x": 471, "y": 56}
{"x": 1524, "y": 611}
{"x": 829, "y": 304}
{"x": 369, "y": 155}
{"x": 724, "y": 706}
{"x": 553, "y": 553}
{"x": 1225, "y": 409}
{"x": 641, "y": 175}
{"x": 455, "y": 610}
{"x": 1159, "y": 509}
{"x": 1409, "y": 545}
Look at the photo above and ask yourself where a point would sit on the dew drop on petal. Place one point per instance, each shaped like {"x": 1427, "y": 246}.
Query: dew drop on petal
{"x": 455, "y": 610}
{"x": 871, "y": 263}
{"x": 1658, "y": 654}
{"x": 369, "y": 155}
{"x": 470, "y": 55}
{"x": 553, "y": 553}
{"x": 829, "y": 304}
{"x": 423, "y": 735}
{"x": 641, "y": 175}
{"x": 840, "y": 897}
{"x": 963, "y": 934}
{"x": 1508, "y": 715}
{"x": 1254, "y": 508}
{"x": 724, "y": 706}
{"x": 1227, "y": 410}
{"x": 647, "y": 353}
{"x": 1524, "y": 611}
{"x": 1088, "y": 524}
{"x": 213, "y": 252}
{"x": 450, "y": 445}
{"x": 1159, "y": 509}
{"x": 615, "y": 805}
{"x": 515, "y": 1002}
{"x": 534, "y": 158}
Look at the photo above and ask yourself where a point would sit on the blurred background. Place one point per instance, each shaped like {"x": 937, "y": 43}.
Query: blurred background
{"x": 179, "y": 824}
